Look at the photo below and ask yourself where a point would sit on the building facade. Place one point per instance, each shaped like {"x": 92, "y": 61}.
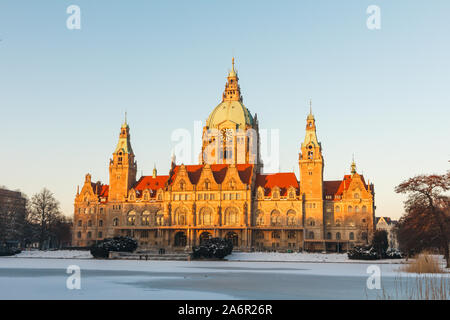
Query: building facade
{"x": 227, "y": 194}
{"x": 12, "y": 215}
{"x": 387, "y": 224}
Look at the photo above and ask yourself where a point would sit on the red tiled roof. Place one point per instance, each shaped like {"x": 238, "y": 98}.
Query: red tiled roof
{"x": 219, "y": 172}
{"x": 100, "y": 190}
{"x": 104, "y": 191}
{"x": 331, "y": 187}
{"x": 148, "y": 182}
{"x": 337, "y": 187}
{"x": 283, "y": 180}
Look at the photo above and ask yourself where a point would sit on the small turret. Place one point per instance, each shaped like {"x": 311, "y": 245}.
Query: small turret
{"x": 154, "y": 171}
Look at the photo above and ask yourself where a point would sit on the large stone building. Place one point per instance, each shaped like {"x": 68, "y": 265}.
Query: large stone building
{"x": 227, "y": 195}
{"x": 12, "y": 215}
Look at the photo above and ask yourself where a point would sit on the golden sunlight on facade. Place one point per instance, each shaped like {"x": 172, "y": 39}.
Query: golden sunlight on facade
{"x": 227, "y": 195}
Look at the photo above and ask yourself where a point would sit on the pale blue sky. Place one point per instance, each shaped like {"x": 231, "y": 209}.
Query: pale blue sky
{"x": 380, "y": 94}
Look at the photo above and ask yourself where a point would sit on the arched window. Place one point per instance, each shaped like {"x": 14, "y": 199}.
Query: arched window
{"x": 180, "y": 239}
{"x": 182, "y": 185}
{"x": 329, "y": 236}
{"x": 79, "y": 235}
{"x": 146, "y": 196}
{"x": 89, "y": 223}
{"x": 364, "y": 236}
{"x": 276, "y": 235}
{"x": 231, "y": 216}
{"x": 275, "y": 194}
{"x": 207, "y": 185}
{"x": 350, "y": 209}
{"x": 291, "y": 235}
{"x": 352, "y": 236}
{"x": 206, "y": 216}
{"x": 131, "y": 218}
{"x": 180, "y": 216}
{"x": 260, "y": 194}
{"x": 364, "y": 209}
{"x": 337, "y": 209}
{"x": 116, "y": 222}
{"x": 145, "y": 220}
{"x": 311, "y": 222}
{"x": 79, "y": 223}
{"x": 89, "y": 235}
{"x": 275, "y": 218}
{"x": 259, "y": 218}
{"x": 160, "y": 219}
{"x": 259, "y": 235}
{"x": 291, "y": 194}
{"x": 356, "y": 209}
{"x": 338, "y": 236}
{"x": 291, "y": 218}
{"x": 232, "y": 184}
{"x": 356, "y": 196}
{"x": 233, "y": 237}
{"x": 311, "y": 235}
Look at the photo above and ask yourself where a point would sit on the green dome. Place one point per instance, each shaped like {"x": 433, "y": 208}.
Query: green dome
{"x": 234, "y": 111}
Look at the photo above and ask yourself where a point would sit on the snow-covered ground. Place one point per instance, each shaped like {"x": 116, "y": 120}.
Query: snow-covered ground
{"x": 236, "y": 256}
{"x": 38, "y": 278}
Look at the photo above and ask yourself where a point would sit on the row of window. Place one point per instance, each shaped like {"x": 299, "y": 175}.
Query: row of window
{"x": 338, "y": 236}
{"x": 90, "y": 210}
{"x": 276, "y": 194}
{"x": 207, "y": 196}
{"x": 357, "y": 209}
{"x": 90, "y": 223}
{"x": 89, "y": 235}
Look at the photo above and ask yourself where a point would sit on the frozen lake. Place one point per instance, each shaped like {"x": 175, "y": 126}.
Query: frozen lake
{"x": 45, "y": 278}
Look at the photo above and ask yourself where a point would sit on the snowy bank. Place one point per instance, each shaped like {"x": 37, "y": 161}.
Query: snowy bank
{"x": 55, "y": 254}
{"x": 302, "y": 257}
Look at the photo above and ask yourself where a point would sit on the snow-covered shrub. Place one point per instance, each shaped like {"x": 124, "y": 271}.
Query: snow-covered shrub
{"x": 363, "y": 253}
{"x": 8, "y": 251}
{"x": 123, "y": 244}
{"x": 392, "y": 253}
{"x": 213, "y": 248}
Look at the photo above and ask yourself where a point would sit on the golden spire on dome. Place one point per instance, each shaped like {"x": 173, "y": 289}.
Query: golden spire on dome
{"x": 232, "y": 90}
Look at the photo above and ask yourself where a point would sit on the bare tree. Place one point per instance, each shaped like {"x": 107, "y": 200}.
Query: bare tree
{"x": 43, "y": 213}
{"x": 426, "y": 223}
